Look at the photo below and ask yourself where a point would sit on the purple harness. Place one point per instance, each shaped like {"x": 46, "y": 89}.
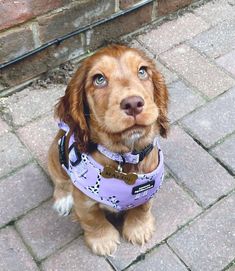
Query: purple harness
{"x": 85, "y": 174}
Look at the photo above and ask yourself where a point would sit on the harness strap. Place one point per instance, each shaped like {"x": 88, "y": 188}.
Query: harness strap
{"x": 62, "y": 156}
{"x": 143, "y": 152}
{"x": 131, "y": 157}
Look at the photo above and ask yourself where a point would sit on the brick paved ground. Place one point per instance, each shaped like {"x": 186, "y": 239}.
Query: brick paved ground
{"x": 195, "y": 208}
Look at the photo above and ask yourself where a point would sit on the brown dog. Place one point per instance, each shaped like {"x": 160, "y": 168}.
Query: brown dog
{"x": 119, "y": 100}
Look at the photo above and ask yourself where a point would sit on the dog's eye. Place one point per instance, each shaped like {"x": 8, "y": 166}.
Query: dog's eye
{"x": 142, "y": 73}
{"x": 99, "y": 80}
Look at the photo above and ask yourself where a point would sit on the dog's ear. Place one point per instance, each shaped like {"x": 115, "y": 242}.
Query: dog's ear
{"x": 72, "y": 108}
{"x": 161, "y": 99}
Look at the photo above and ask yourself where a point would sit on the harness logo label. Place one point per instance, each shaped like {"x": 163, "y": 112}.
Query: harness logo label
{"x": 143, "y": 187}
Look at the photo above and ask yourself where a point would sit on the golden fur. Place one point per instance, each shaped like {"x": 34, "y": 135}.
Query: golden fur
{"x": 94, "y": 115}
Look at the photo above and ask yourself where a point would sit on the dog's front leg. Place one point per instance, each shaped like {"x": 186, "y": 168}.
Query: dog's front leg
{"x": 138, "y": 224}
{"x": 100, "y": 235}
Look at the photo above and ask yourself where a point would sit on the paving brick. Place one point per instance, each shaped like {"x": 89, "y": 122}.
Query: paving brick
{"x": 38, "y": 136}
{"x": 208, "y": 244}
{"x": 228, "y": 62}
{"x": 32, "y": 103}
{"x": 76, "y": 257}
{"x": 169, "y": 76}
{"x": 172, "y": 208}
{"x": 216, "y": 11}
{"x": 15, "y": 43}
{"x": 180, "y": 92}
{"x": 45, "y": 231}
{"x": 13, "y": 253}
{"x": 171, "y": 33}
{"x": 225, "y": 152}
{"x": 137, "y": 45}
{"x": 160, "y": 259}
{"x": 22, "y": 191}
{"x": 213, "y": 121}
{"x": 198, "y": 70}
{"x": 3, "y": 127}
{"x": 218, "y": 40}
{"x": 195, "y": 169}
{"x": 12, "y": 153}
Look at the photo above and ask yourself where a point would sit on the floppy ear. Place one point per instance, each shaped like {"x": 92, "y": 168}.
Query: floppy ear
{"x": 72, "y": 108}
{"x": 161, "y": 99}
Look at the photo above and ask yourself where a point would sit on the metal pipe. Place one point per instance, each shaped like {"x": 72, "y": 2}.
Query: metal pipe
{"x": 74, "y": 33}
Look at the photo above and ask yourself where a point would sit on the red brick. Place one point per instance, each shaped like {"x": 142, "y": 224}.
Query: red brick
{"x": 43, "y": 6}
{"x": 15, "y": 43}
{"x": 41, "y": 62}
{"x": 13, "y": 253}
{"x": 13, "y": 12}
{"x": 82, "y": 13}
{"x": 16, "y": 12}
{"x": 123, "y": 4}
{"x": 166, "y": 6}
{"x": 120, "y": 26}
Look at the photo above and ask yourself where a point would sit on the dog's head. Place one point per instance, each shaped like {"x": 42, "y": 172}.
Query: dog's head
{"x": 116, "y": 95}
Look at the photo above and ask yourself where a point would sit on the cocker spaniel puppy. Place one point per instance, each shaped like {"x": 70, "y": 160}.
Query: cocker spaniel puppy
{"x": 106, "y": 155}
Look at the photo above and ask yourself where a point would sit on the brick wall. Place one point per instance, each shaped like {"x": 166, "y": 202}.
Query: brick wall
{"x": 28, "y": 24}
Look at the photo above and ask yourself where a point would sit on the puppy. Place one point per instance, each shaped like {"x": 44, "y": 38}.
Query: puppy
{"x": 106, "y": 155}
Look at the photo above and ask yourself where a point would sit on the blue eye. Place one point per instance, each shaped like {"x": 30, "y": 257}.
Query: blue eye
{"x": 142, "y": 73}
{"x": 99, "y": 80}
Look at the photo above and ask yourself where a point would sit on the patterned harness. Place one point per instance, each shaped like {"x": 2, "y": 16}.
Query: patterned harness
{"x": 85, "y": 174}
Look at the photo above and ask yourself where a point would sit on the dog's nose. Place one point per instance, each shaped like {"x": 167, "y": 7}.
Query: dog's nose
{"x": 132, "y": 105}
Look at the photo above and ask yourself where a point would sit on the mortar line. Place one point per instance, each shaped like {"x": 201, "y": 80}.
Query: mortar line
{"x": 227, "y": 267}
{"x": 28, "y": 248}
{"x": 208, "y": 150}
{"x": 181, "y": 227}
{"x": 178, "y": 257}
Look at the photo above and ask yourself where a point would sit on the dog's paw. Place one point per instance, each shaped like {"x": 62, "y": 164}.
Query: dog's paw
{"x": 137, "y": 231}
{"x": 104, "y": 244}
{"x": 64, "y": 205}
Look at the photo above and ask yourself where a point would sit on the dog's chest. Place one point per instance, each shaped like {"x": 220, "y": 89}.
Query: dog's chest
{"x": 113, "y": 192}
